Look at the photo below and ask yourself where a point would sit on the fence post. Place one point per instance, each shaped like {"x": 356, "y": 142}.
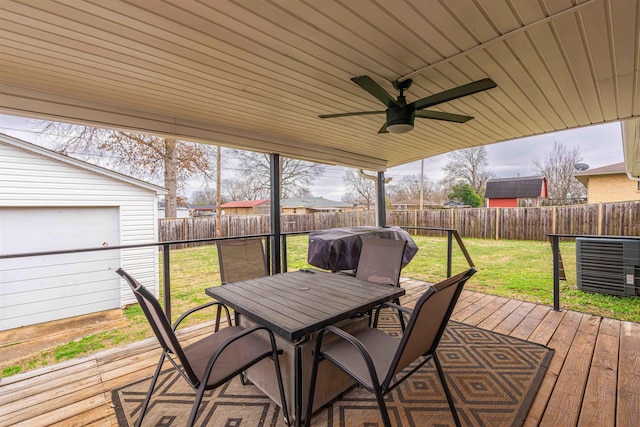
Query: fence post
{"x": 600, "y": 219}
{"x": 497, "y": 223}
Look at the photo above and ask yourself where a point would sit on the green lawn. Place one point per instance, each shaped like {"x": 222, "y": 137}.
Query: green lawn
{"x": 514, "y": 269}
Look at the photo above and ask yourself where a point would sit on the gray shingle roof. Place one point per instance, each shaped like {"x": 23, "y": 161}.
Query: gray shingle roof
{"x": 514, "y": 188}
{"x": 313, "y": 203}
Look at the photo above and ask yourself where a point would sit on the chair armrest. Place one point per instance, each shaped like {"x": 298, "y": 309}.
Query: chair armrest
{"x": 400, "y": 308}
{"x": 243, "y": 333}
{"x": 405, "y": 310}
{"x": 355, "y": 343}
{"x": 200, "y": 307}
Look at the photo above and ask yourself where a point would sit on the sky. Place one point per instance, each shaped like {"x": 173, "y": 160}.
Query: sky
{"x": 599, "y": 145}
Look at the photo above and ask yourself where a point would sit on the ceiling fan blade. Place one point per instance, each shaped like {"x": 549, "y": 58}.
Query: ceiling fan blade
{"x": 438, "y": 115}
{"x": 368, "y": 84}
{"x": 359, "y": 113}
{"x": 383, "y": 129}
{"x": 455, "y": 93}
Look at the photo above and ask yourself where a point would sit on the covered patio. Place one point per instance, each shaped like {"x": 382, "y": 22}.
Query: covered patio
{"x": 592, "y": 379}
{"x": 257, "y": 76}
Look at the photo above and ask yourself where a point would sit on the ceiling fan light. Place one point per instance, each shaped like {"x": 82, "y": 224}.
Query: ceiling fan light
{"x": 400, "y": 127}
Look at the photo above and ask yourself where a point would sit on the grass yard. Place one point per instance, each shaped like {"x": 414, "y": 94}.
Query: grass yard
{"x": 513, "y": 269}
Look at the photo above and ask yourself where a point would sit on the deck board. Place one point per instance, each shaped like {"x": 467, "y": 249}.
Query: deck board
{"x": 598, "y": 410}
{"x": 593, "y": 378}
{"x": 566, "y": 400}
{"x": 628, "y": 405}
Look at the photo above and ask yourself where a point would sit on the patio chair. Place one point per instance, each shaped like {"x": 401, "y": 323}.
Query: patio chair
{"x": 211, "y": 361}
{"x": 373, "y": 358}
{"x": 241, "y": 259}
{"x": 380, "y": 262}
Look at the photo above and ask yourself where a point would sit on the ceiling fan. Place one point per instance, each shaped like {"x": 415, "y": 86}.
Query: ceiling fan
{"x": 400, "y": 115}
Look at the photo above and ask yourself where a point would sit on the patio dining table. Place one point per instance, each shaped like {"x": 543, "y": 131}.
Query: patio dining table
{"x": 294, "y": 306}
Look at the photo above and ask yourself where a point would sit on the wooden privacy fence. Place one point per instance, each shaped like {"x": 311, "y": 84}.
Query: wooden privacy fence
{"x": 530, "y": 223}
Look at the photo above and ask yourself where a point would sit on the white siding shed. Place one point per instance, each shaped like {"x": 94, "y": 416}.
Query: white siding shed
{"x": 51, "y": 202}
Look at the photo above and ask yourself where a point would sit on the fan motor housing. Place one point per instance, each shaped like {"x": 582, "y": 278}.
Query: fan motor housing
{"x": 400, "y": 116}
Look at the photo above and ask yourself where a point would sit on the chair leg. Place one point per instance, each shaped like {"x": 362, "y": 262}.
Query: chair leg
{"x": 312, "y": 385}
{"x": 400, "y": 315}
{"x": 147, "y": 399}
{"x": 283, "y": 398}
{"x": 446, "y": 390}
{"x": 196, "y": 404}
{"x": 386, "y": 421}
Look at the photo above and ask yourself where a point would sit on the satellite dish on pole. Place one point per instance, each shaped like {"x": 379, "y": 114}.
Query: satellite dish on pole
{"x": 581, "y": 166}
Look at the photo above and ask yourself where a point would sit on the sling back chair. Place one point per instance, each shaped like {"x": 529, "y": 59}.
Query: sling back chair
{"x": 373, "y": 358}
{"x": 380, "y": 262}
{"x": 241, "y": 259}
{"x": 211, "y": 361}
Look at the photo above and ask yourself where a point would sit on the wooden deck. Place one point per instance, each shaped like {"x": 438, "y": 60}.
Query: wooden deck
{"x": 593, "y": 379}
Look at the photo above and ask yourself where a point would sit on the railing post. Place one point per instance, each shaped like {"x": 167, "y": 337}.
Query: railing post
{"x": 166, "y": 274}
{"x": 267, "y": 248}
{"x": 449, "y": 252}
{"x": 555, "y": 249}
{"x": 284, "y": 253}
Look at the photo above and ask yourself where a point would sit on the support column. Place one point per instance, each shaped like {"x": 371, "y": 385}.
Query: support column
{"x": 276, "y": 266}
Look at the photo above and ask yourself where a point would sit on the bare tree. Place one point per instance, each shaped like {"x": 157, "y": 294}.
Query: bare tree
{"x": 296, "y": 175}
{"x": 558, "y": 166}
{"x": 469, "y": 166}
{"x": 241, "y": 189}
{"x": 147, "y": 157}
{"x": 203, "y": 197}
{"x": 408, "y": 188}
{"x": 360, "y": 190}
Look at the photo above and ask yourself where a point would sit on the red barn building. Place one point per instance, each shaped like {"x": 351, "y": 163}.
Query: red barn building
{"x": 514, "y": 192}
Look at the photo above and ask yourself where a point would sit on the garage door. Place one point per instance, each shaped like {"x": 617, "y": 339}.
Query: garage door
{"x": 44, "y": 288}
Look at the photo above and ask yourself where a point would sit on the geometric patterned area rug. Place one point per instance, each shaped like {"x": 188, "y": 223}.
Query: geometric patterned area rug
{"x": 493, "y": 379}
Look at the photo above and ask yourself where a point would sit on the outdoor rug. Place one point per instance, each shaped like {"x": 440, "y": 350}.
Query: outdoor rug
{"x": 493, "y": 378}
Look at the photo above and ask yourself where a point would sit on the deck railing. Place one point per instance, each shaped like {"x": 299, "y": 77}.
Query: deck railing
{"x": 52, "y": 267}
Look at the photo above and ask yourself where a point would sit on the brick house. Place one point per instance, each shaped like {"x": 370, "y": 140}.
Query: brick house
{"x": 246, "y": 207}
{"x": 305, "y": 205}
{"x": 609, "y": 184}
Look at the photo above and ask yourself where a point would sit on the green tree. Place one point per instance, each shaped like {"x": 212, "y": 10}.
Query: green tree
{"x": 462, "y": 192}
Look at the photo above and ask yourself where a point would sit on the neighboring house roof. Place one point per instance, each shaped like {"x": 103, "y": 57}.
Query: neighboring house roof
{"x": 454, "y": 203}
{"x": 317, "y": 203}
{"x": 516, "y": 188}
{"x": 614, "y": 169}
{"x": 406, "y": 202}
{"x": 36, "y": 149}
{"x": 204, "y": 207}
{"x": 243, "y": 204}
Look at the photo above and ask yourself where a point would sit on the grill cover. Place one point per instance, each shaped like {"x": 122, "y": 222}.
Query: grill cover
{"x": 339, "y": 248}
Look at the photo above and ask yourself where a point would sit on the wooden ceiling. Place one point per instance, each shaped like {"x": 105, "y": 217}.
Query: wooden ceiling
{"x": 256, "y": 74}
